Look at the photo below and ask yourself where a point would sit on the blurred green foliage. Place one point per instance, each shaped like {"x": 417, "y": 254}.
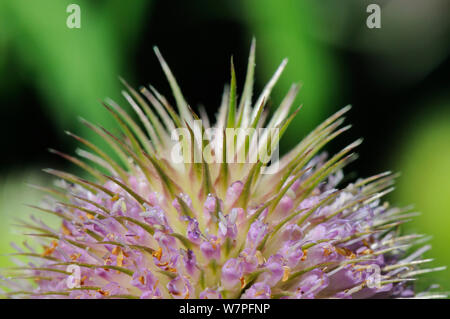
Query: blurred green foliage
{"x": 15, "y": 193}
{"x": 73, "y": 69}
{"x": 424, "y": 161}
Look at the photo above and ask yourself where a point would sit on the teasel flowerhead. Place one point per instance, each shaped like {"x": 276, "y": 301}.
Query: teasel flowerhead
{"x": 210, "y": 211}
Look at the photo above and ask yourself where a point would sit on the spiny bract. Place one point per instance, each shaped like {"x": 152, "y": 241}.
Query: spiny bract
{"x": 152, "y": 227}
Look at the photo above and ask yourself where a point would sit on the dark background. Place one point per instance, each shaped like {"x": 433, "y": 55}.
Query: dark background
{"x": 396, "y": 78}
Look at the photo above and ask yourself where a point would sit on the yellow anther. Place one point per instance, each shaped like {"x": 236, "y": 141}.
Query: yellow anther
{"x": 327, "y": 251}
{"x": 103, "y": 292}
{"x": 49, "y": 250}
{"x": 116, "y": 250}
{"x": 157, "y": 253}
{"x": 65, "y": 230}
{"x": 305, "y": 254}
{"x": 119, "y": 260}
{"x": 75, "y": 256}
{"x": 171, "y": 269}
{"x": 286, "y": 273}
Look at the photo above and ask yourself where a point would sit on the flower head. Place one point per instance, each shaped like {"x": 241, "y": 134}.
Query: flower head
{"x": 228, "y": 220}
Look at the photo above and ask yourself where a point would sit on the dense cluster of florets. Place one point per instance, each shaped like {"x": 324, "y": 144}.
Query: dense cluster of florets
{"x": 152, "y": 228}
